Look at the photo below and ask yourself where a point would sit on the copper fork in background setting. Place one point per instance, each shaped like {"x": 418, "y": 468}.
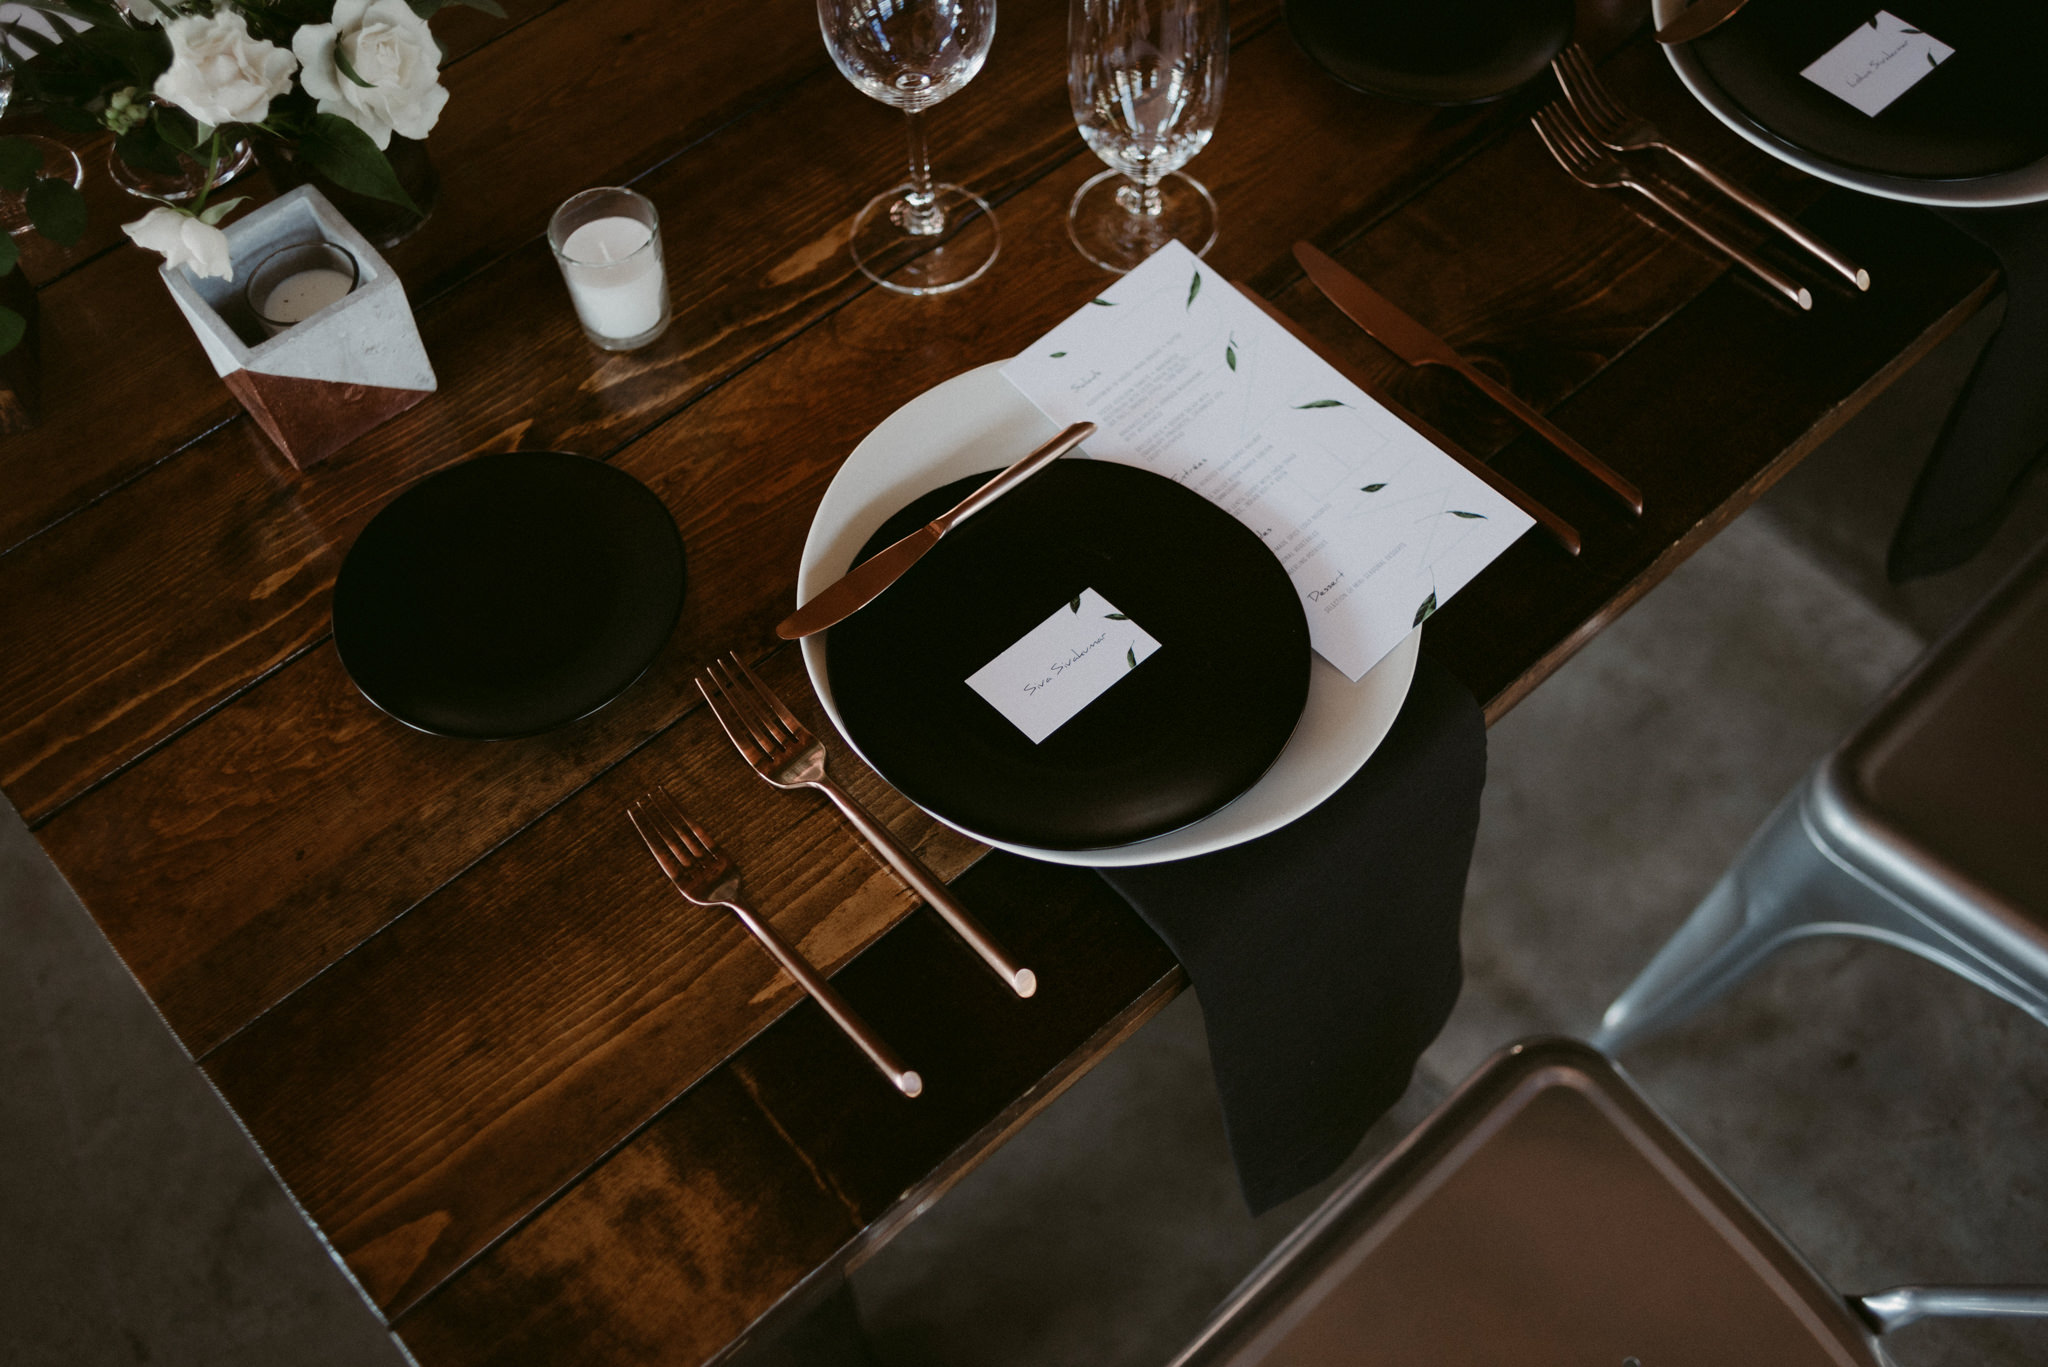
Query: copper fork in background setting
{"x": 1621, "y": 129}
{"x": 704, "y": 876}
{"x": 1593, "y": 165}
{"x": 783, "y": 751}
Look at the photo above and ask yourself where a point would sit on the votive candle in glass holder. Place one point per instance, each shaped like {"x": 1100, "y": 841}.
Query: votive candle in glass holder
{"x": 608, "y": 243}
{"x": 293, "y": 283}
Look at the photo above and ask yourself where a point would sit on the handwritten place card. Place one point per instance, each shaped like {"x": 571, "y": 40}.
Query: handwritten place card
{"x": 1064, "y": 663}
{"x": 1879, "y": 62}
{"x": 1187, "y": 378}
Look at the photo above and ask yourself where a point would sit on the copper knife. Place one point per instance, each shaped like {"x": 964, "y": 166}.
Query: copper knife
{"x": 1418, "y": 346}
{"x": 859, "y": 586}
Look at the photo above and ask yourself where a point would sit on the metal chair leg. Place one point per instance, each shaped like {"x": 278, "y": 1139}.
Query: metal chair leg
{"x": 1790, "y": 882}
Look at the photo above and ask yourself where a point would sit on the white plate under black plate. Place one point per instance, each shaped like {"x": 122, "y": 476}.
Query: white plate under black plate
{"x": 1747, "y": 75}
{"x": 509, "y": 595}
{"x": 1175, "y": 739}
{"x": 977, "y": 421}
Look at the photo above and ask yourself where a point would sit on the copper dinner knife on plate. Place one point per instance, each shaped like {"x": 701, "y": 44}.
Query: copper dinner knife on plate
{"x": 860, "y": 585}
{"x": 1418, "y": 346}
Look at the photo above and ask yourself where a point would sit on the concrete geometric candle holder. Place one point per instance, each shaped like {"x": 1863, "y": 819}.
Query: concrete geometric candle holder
{"x": 318, "y": 385}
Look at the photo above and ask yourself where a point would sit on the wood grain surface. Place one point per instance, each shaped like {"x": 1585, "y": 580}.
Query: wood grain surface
{"x": 545, "y": 1110}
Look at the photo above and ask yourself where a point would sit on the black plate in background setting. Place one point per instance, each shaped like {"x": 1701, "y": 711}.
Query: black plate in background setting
{"x": 1432, "y": 51}
{"x": 1982, "y": 111}
{"x": 1187, "y": 731}
{"x": 509, "y": 595}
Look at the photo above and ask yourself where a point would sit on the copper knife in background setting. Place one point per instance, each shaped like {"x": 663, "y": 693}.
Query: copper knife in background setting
{"x": 1416, "y": 345}
{"x": 859, "y": 586}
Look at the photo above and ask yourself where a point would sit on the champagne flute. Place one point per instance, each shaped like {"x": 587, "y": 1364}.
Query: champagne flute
{"x": 919, "y": 237}
{"x": 1146, "y": 81}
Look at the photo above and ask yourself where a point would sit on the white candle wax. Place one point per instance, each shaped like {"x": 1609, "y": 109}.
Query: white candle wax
{"x": 615, "y": 282}
{"x": 298, "y": 297}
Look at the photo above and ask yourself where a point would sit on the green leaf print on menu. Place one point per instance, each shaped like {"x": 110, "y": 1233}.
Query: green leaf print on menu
{"x": 1230, "y": 353}
{"x": 1422, "y": 614}
{"x": 1323, "y": 403}
{"x": 1114, "y": 617}
{"x": 1057, "y": 354}
{"x": 1460, "y": 512}
{"x": 1131, "y": 658}
{"x": 1103, "y": 303}
{"x": 1194, "y": 288}
{"x": 1076, "y": 604}
{"x": 1373, "y": 488}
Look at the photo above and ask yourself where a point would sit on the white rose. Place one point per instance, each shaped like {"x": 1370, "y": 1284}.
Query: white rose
{"x": 219, "y": 74}
{"x": 184, "y": 241}
{"x": 390, "y": 47}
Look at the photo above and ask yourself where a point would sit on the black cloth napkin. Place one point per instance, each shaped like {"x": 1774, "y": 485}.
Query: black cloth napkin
{"x": 1325, "y": 955}
{"x": 1999, "y": 425}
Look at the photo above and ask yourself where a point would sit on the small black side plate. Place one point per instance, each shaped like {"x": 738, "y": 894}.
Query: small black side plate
{"x": 509, "y": 595}
{"x": 1432, "y": 51}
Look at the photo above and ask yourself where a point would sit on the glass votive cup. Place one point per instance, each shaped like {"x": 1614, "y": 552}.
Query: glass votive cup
{"x": 293, "y": 283}
{"x": 608, "y": 243}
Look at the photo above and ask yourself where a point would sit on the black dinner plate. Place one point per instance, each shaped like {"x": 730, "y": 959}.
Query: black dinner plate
{"x": 508, "y": 595}
{"x": 1187, "y": 731}
{"x": 1444, "y": 52}
{"x": 1983, "y": 111}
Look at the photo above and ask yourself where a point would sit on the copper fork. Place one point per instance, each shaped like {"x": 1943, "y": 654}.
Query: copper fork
{"x": 704, "y": 876}
{"x": 783, "y": 751}
{"x": 1591, "y": 164}
{"x": 1621, "y": 129}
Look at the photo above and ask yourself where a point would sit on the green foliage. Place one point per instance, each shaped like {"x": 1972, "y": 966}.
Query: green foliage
{"x": 346, "y": 155}
{"x": 57, "y": 210}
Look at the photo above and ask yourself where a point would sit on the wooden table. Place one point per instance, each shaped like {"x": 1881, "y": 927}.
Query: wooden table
{"x": 546, "y": 1112}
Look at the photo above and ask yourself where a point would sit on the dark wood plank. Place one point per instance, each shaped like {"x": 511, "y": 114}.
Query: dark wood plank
{"x": 688, "y": 1235}
{"x": 552, "y": 1290}
{"x": 555, "y": 104}
{"x": 453, "y": 1071}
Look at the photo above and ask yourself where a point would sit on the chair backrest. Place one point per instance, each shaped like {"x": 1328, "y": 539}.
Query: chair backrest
{"x": 1951, "y": 769}
{"x": 1544, "y": 1214}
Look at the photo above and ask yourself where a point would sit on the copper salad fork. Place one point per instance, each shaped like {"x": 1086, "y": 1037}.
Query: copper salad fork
{"x": 783, "y": 751}
{"x": 1593, "y": 165}
{"x": 1621, "y": 129}
{"x": 705, "y": 877}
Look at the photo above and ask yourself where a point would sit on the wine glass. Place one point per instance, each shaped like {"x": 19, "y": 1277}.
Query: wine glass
{"x": 1146, "y": 81}
{"x": 920, "y": 237}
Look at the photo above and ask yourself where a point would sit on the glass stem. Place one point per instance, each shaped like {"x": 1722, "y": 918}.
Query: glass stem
{"x": 921, "y": 216}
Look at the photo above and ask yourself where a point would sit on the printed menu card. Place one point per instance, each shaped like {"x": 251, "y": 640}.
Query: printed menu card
{"x": 1187, "y": 378}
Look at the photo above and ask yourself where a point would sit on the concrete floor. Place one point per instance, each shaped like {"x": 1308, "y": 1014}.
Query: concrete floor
{"x": 1892, "y": 1120}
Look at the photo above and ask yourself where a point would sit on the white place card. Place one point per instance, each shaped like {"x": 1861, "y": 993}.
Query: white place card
{"x": 1187, "y": 378}
{"x": 1064, "y": 663}
{"x": 1879, "y": 62}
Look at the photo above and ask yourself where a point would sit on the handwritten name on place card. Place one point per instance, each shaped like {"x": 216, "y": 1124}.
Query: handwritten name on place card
{"x": 1879, "y": 62}
{"x": 1064, "y": 663}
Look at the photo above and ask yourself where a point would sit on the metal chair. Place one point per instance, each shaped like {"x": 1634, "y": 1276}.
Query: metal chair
{"x": 1546, "y": 1215}
{"x": 1926, "y": 829}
